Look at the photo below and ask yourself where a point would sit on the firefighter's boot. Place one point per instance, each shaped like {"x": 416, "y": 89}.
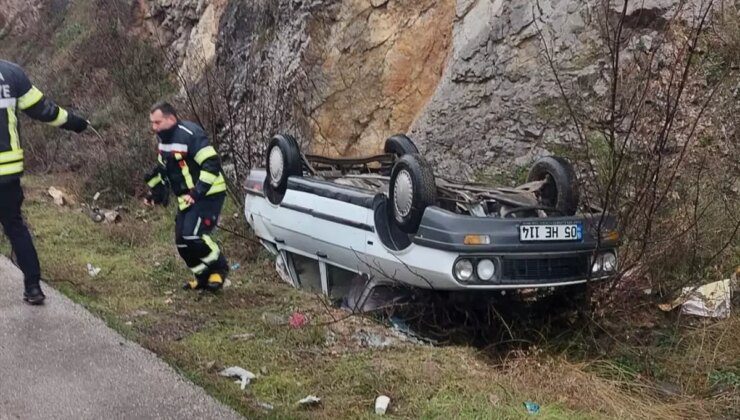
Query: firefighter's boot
{"x": 215, "y": 282}
{"x": 192, "y": 284}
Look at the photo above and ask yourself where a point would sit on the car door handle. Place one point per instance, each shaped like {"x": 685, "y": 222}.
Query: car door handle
{"x": 280, "y": 241}
{"x": 321, "y": 255}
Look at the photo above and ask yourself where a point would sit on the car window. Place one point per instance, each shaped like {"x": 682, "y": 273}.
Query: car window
{"x": 308, "y": 272}
{"x": 339, "y": 281}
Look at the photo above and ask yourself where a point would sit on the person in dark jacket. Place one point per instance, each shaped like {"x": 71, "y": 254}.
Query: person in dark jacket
{"x": 190, "y": 167}
{"x": 17, "y": 93}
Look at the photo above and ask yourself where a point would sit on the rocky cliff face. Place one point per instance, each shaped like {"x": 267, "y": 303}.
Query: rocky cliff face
{"x": 374, "y": 69}
{"x": 466, "y": 78}
{"x": 188, "y": 28}
{"x": 17, "y": 16}
{"x": 498, "y": 102}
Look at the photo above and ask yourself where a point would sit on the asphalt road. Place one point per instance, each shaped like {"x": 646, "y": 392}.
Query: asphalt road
{"x": 58, "y": 361}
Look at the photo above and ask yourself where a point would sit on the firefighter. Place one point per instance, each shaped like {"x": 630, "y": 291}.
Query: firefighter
{"x": 18, "y": 93}
{"x": 190, "y": 167}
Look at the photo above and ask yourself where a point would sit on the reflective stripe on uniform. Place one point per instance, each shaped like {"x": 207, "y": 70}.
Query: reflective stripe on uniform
{"x": 173, "y": 147}
{"x": 208, "y": 177}
{"x": 188, "y": 178}
{"x": 156, "y": 180}
{"x": 8, "y": 103}
{"x": 205, "y": 153}
{"x": 31, "y": 98}
{"x": 11, "y": 168}
{"x": 218, "y": 187}
{"x": 213, "y": 256}
{"x": 182, "y": 127}
{"x": 11, "y": 156}
{"x": 15, "y": 143}
{"x": 197, "y": 226}
{"x": 60, "y": 119}
{"x": 199, "y": 269}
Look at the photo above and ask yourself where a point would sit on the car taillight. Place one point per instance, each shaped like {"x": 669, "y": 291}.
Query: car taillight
{"x": 254, "y": 185}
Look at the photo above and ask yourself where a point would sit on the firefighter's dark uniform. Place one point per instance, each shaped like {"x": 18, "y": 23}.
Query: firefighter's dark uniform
{"x": 188, "y": 164}
{"x": 18, "y": 94}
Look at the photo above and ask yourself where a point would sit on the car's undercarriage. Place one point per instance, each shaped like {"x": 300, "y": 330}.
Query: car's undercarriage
{"x": 531, "y": 199}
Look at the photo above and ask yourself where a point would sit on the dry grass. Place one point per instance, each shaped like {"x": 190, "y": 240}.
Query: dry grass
{"x": 141, "y": 272}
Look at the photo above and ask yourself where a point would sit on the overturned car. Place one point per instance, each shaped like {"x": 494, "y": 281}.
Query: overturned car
{"x": 392, "y": 220}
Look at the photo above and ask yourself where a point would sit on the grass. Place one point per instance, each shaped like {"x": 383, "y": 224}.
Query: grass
{"x": 137, "y": 293}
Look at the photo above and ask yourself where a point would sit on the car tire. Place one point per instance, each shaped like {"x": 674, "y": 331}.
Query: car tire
{"x": 561, "y": 192}
{"x": 400, "y": 145}
{"x": 283, "y": 160}
{"x": 412, "y": 189}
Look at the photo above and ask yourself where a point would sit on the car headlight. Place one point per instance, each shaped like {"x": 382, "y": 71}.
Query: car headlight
{"x": 463, "y": 270}
{"x": 604, "y": 263}
{"x": 608, "y": 262}
{"x": 486, "y": 270}
{"x": 596, "y": 265}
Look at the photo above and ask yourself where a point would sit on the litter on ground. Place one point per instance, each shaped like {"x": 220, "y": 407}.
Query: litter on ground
{"x": 531, "y": 407}
{"x": 245, "y": 376}
{"x": 92, "y": 270}
{"x": 297, "y": 320}
{"x": 311, "y": 400}
{"x": 712, "y": 300}
{"x": 381, "y": 404}
{"x": 59, "y": 198}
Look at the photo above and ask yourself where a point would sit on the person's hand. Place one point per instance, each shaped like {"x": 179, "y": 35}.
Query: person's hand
{"x": 148, "y": 202}
{"x": 188, "y": 199}
{"x": 75, "y": 123}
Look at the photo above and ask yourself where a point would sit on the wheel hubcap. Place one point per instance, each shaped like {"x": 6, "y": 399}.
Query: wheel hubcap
{"x": 403, "y": 193}
{"x": 277, "y": 165}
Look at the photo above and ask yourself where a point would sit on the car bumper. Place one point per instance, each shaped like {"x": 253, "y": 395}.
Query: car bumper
{"x": 431, "y": 268}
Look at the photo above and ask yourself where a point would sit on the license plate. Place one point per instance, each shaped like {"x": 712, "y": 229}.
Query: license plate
{"x": 544, "y": 232}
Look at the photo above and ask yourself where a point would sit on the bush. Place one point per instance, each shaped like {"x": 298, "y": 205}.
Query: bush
{"x": 653, "y": 151}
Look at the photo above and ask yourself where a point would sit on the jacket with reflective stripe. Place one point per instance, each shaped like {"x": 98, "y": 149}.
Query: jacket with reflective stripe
{"x": 17, "y": 93}
{"x": 187, "y": 163}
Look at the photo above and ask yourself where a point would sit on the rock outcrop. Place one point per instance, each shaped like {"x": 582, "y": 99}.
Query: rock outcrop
{"x": 468, "y": 79}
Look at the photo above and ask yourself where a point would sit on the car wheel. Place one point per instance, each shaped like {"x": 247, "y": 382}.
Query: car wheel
{"x": 561, "y": 190}
{"x": 412, "y": 190}
{"x": 283, "y": 161}
{"x": 400, "y": 145}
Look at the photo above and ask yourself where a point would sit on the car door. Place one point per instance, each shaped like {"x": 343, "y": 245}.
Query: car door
{"x": 328, "y": 229}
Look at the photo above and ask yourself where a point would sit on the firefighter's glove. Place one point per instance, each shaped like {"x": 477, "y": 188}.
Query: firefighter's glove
{"x": 75, "y": 123}
{"x": 159, "y": 195}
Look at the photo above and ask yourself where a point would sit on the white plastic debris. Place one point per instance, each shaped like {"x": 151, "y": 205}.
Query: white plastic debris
{"x": 245, "y": 376}
{"x": 92, "y": 270}
{"x": 372, "y": 340}
{"x": 310, "y": 400}
{"x": 265, "y": 406}
{"x": 111, "y": 216}
{"x": 57, "y": 195}
{"x": 712, "y": 300}
{"x": 381, "y": 404}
